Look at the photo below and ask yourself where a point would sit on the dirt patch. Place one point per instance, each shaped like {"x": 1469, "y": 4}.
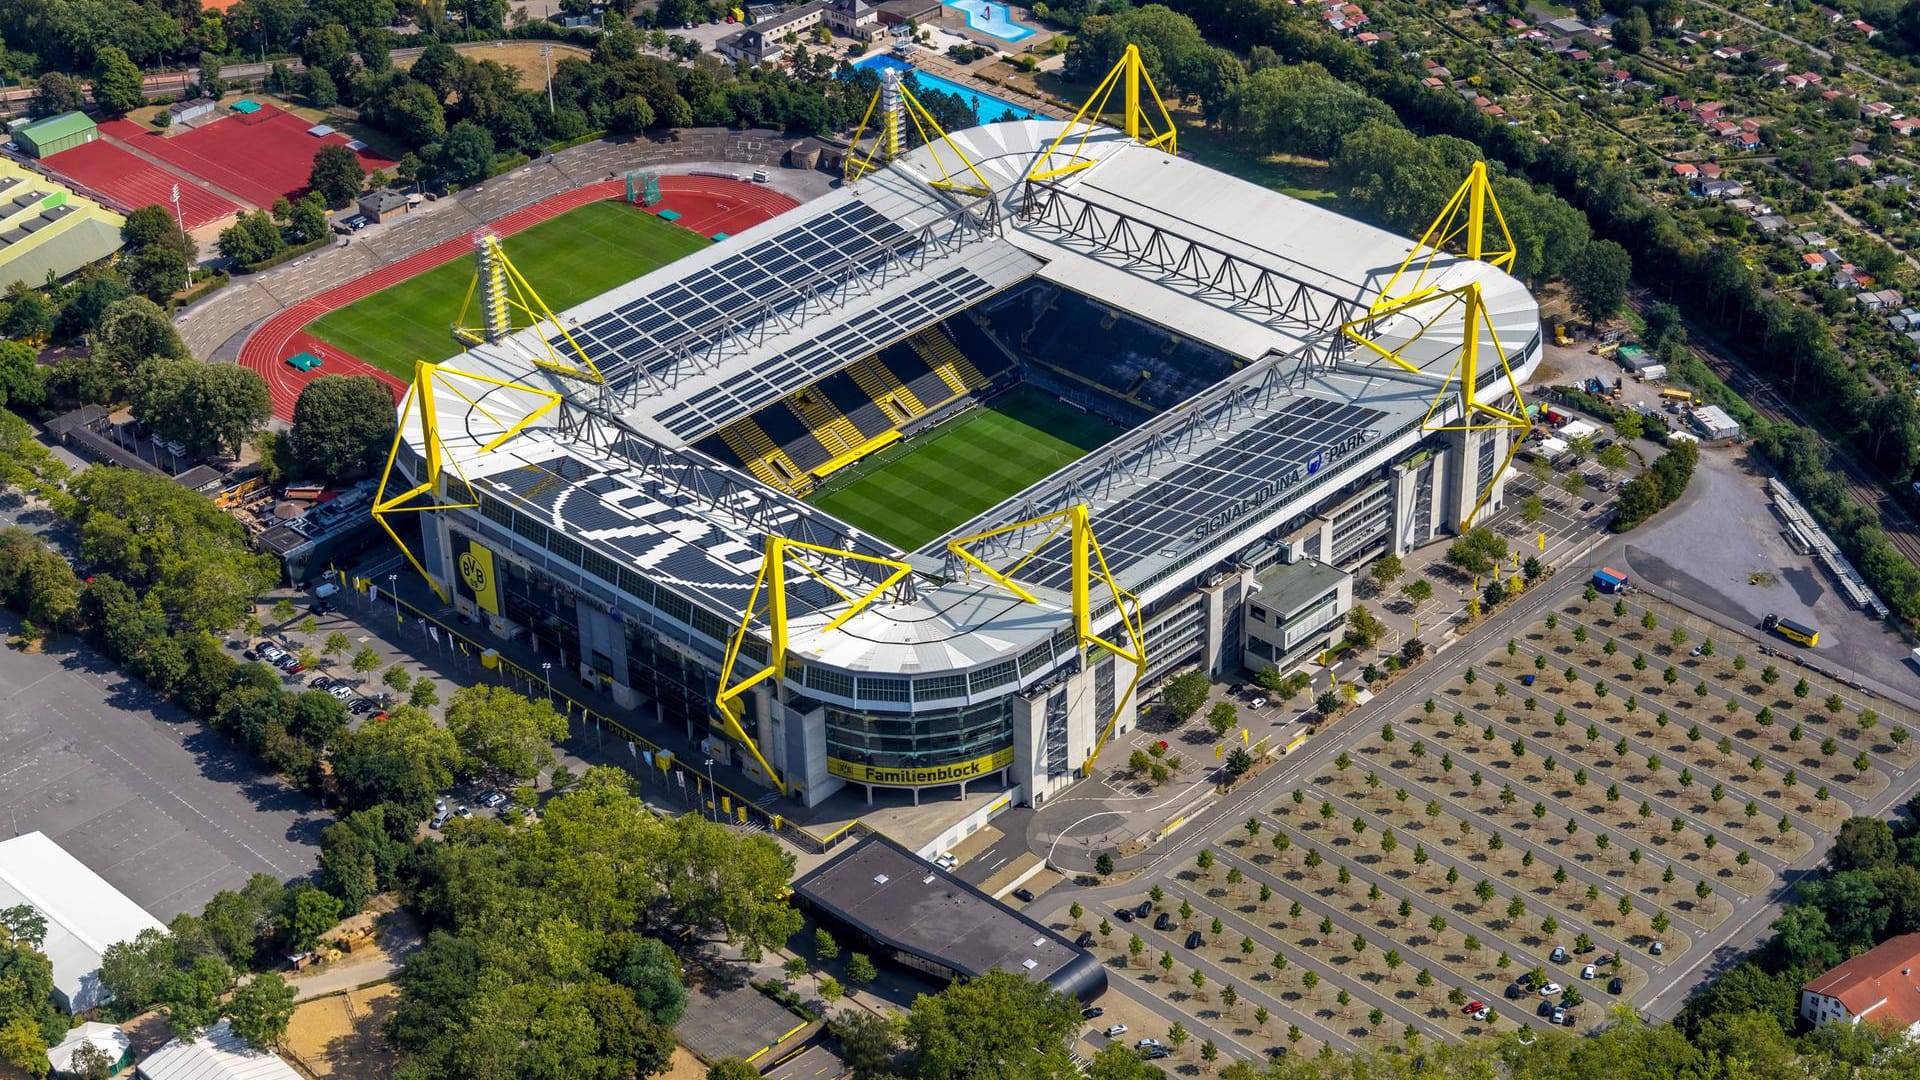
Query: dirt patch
{"x": 523, "y": 56}
{"x": 684, "y": 1066}
{"x": 342, "y": 1035}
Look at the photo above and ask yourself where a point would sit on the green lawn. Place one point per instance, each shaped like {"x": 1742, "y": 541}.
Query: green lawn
{"x": 916, "y": 491}
{"x": 569, "y": 259}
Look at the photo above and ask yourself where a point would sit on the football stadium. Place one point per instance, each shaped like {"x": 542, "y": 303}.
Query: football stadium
{"x": 925, "y": 483}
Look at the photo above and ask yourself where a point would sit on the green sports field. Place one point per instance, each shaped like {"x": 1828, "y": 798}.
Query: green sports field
{"x": 915, "y": 491}
{"x": 568, "y": 259}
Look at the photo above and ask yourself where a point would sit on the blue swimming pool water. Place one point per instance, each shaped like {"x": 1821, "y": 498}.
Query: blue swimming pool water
{"x": 987, "y": 107}
{"x": 991, "y": 18}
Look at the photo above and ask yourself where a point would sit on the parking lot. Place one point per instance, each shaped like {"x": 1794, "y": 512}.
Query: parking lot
{"x": 163, "y": 809}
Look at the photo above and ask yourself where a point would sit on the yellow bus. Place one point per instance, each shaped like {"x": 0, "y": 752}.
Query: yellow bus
{"x": 1793, "y": 631}
{"x": 1677, "y": 395}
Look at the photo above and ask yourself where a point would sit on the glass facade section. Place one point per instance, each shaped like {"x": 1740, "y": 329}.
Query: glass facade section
{"x": 920, "y": 740}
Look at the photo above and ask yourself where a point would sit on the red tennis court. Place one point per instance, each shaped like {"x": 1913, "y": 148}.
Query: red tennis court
{"x": 132, "y": 183}
{"x": 259, "y": 157}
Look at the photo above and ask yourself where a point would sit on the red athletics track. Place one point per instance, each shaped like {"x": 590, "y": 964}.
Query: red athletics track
{"x": 259, "y": 157}
{"x": 706, "y": 205}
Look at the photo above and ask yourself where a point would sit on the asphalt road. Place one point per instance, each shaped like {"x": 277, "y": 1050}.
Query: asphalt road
{"x": 165, "y": 810}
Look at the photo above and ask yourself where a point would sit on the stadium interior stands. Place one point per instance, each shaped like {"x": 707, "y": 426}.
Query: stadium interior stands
{"x": 1114, "y": 366}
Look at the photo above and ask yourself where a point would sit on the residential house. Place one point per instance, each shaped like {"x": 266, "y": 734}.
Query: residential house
{"x": 1908, "y": 319}
{"x": 1858, "y": 161}
{"x": 1710, "y": 170}
{"x": 1880, "y": 986}
{"x": 1745, "y": 140}
{"x": 1879, "y": 300}
{"x": 1686, "y": 170}
{"x": 1708, "y": 111}
{"x": 1719, "y": 189}
{"x": 1368, "y": 38}
{"x": 1770, "y": 223}
{"x": 1580, "y": 55}
{"x": 1773, "y": 65}
{"x": 1865, "y": 28}
{"x": 1723, "y": 129}
{"x": 1813, "y": 260}
{"x": 1906, "y": 125}
{"x": 1877, "y": 110}
{"x": 1829, "y": 14}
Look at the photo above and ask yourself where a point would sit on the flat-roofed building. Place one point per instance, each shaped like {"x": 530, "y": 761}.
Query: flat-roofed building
{"x": 886, "y": 899}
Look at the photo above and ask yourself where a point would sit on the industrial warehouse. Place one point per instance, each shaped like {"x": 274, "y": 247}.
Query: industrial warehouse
{"x": 923, "y": 484}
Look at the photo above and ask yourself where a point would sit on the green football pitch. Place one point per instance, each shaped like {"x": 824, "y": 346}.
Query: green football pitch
{"x": 568, "y": 259}
{"x": 915, "y": 491}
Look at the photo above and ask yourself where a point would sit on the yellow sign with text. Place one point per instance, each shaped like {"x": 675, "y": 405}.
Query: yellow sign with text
{"x": 939, "y": 774}
{"x": 476, "y": 572}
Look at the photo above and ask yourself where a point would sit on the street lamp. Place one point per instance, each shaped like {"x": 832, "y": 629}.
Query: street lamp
{"x": 713, "y": 796}
{"x": 393, "y": 590}
{"x": 546, "y": 670}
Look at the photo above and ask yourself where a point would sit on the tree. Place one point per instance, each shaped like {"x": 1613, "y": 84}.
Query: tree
{"x": 260, "y": 1010}
{"x": 1103, "y": 865}
{"x": 308, "y": 913}
{"x": 651, "y": 971}
{"x": 867, "y": 1042}
{"x": 1185, "y": 693}
{"x": 1117, "y": 1061}
{"x": 1863, "y": 843}
{"x": 337, "y": 174}
{"x": 133, "y": 330}
{"x": 1015, "y": 1023}
{"x": 252, "y": 238}
{"x": 208, "y": 407}
{"x": 1386, "y": 570}
{"x": 1222, "y": 717}
{"x": 54, "y": 93}
{"x": 732, "y": 1069}
{"x": 1598, "y": 279}
{"x": 1419, "y": 590}
{"x": 860, "y": 969}
{"x": 342, "y": 426}
{"x": 1478, "y": 551}
{"x": 503, "y": 734}
{"x": 1633, "y": 33}
{"x": 117, "y": 86}
{"x": 466, "y": 154}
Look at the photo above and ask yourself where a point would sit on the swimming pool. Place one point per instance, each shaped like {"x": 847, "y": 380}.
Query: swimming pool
{"x": 991, "y": 18}
{"x": 985, "y": 106}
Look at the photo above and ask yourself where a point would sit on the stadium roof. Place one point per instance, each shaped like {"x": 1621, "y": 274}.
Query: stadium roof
{"x": 899, "y": 899}
{"x": 46, "y": 228}
{"x": 84, "y": 914}
{"x": 1240, "y": 267}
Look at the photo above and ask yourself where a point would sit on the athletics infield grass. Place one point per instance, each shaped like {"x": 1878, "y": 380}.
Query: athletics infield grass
{"x": 915, "y": 491}
{"x": 569, "y": 259}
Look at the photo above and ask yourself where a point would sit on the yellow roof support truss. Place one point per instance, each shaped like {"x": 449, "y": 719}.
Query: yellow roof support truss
{"x": 1461, "y": 225}
{"x": 430, "y": 380}
{"x": 1129, "y": 76}
{"x": 1464, "y": 377}
{"x": 522, "y": 309}
{"x": 1087, "y": 562}
{"x": 773, "y": 583}
{"x": 959, "y": 175}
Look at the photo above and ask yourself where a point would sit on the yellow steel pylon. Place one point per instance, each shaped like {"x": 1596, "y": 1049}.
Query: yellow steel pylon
{"x": 1130, "y": 74}
{"x": 1085, "y": 556}
{"x": 1465, "y": 370}
{"x": 897, "y": 105}
{"x": 773, "y": 582}
{"x": 423, "y": 496}
{"x": 504, "y": 293}
{"x": 1463, "y": 221}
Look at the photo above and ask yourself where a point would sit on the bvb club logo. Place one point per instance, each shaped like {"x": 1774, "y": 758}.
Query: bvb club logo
{"x": 474, "y": 573}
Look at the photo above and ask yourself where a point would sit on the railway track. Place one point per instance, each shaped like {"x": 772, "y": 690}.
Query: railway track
{"x": 1900, "y": 528}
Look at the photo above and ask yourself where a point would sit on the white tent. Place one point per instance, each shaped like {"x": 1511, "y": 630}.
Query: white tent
{"x": 84, "y": 914}
{"x": 218, "y": 1054}
{"x": 105, "y": 1036}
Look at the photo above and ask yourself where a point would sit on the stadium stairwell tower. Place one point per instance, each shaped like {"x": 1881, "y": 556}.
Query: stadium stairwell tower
{"x": 1485, "y": 437}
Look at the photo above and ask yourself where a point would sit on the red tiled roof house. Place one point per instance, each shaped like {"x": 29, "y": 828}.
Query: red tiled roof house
{"x": 1881, "y": 987}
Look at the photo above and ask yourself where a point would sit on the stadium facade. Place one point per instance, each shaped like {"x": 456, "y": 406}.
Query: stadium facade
{"x": 624, "y": 520}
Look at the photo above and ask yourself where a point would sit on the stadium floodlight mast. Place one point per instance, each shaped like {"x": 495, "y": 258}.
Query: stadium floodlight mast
{"x": 1129, "y": 74}
{"x": 896, "y": 105}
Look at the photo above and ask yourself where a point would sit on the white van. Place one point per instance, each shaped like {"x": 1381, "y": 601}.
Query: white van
{"x": 325, "y": 589}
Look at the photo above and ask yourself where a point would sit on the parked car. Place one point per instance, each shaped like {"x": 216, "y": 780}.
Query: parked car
{"x": 1559, "y": 1016}
{"x": 1588, "y": 505}
{"x": 1659, "y": 948}
{"x": 1526, "y": 680}
{"x": 1024, "y": 895}
{"x": 463, "y": 812}
{"x": 1085, "y": 939}
{"x": 341, "y": 691}
{"x": 1163, "y": 921}
{"x": 492, "y": 800}
{"x": 1155, "y": 1053}
{"x": 1559, "y": 955}
{"x": 1195, "y": 939}
{"x": 1483, "y": 1015}
{"x": 1146, "y": 1044}
{"x": 320, "y": 682}
{"x": 1116, "y": 1031}
{"x": 1589, "y": 972}
{"x": 1473, "y": 1007}
{"x": 1616, "y": 986}
{"x": 1257, "y": 703}
{"x": 1092, "y": 1011}
{"x": 1143, "y": 909}
{"x": 439, "y": 819}
{"x": 1125, "y": 914}
{"x": 1550, "y": 989}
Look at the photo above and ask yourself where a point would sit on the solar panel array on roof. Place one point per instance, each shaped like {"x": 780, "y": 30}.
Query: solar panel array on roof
{"x": 1252, "y": 469}
{"x": 693, "y": 312}
{"x": 822, "y": 355}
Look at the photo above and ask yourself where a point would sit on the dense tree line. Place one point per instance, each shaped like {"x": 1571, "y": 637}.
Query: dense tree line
{"x": 1657, "y": 488}
{"x": 544, "y": 958}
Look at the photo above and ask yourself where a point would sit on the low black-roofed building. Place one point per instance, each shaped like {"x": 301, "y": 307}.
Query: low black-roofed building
{"x": 881, "y": 896}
